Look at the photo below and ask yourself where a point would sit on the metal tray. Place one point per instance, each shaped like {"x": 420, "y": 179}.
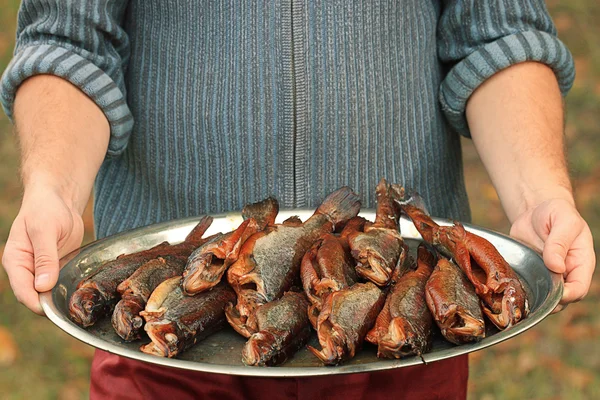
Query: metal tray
{"x": 221, "y": 352}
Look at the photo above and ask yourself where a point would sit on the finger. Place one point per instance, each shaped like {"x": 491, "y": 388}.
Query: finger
{"x": 564, "y": 230}
{"x": 16, "y": 264}
{"x": 580, "y": 269}
{"x": 45, "y": 254}
{"x": 559, "y": 308}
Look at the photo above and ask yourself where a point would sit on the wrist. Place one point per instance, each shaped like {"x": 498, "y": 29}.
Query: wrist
{"x": 41, "y": 183}
{"x": 533, "y": 196}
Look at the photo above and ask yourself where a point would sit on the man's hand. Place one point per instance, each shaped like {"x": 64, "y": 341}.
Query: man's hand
{"x": 516, "y": 121}
{"x": 568, "y": 249}
{"x": 63, "y": 139}
{"x": 45, "y": 229}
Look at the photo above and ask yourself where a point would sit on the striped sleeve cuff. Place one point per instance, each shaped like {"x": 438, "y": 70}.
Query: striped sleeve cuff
{"x": 56, "y": 60}
{"x": 473, "y": 70}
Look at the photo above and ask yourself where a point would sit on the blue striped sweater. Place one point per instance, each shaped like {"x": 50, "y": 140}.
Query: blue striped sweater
{"x": 214, "y": 104}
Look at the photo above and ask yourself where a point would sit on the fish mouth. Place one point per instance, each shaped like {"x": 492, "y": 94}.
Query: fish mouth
{"x": 240, "y": 323}
{"x": 126, "y": 319}
{"x": 165, "y": 339}
{"x": 259, "y": 348}
{"x": 333, "y": 343}
{"x": 374, "y": 269}
{"x": 326, "y": 286}
{"x": 198, "y": 277}
{"x": 510, "y": 310}
{"x": 400, "y": 341}
{"x": 461, "y": 327}
{"x": 85, "y": 306}
{"x": 314, "y": 310}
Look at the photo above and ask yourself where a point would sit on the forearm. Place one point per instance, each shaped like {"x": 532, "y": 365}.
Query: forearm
{"x": 63, "y": 138}
{"x": 516, "y": 122}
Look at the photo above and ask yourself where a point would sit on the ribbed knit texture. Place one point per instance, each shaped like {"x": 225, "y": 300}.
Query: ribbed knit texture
{"x": 237, "y": 100}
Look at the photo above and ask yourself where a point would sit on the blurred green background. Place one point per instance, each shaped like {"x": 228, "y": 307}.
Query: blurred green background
{"x": 558, "y": 359}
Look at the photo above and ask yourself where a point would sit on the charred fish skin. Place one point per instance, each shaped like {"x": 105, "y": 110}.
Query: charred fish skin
{"x": 136, "y": 290}
{"x": 455, "y": 307}
{"x": 185, "y": 320}
{"x": 345, "y": 319}
{"x": 404, "y": 327}
{"x": 496, "y": 283}
{"x": 146, "y": 278}
{"x": 283, "y": 328}
{"x": 96, "y": 295}
{"x": 378, "y": 249}
{"x": 269, "y": 261}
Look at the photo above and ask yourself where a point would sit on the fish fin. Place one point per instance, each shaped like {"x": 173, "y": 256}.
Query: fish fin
{"x": 425, "y": 258}
{"x": 198, "y": 231}
{"x": 264, "y": 212}
{"x": 340, "y": 206}
{"x": 294, "y": 220}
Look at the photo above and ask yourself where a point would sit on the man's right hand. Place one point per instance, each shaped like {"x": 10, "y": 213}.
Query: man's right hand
{"x": 63, "y": 137}
{"x": 45, "y": 229}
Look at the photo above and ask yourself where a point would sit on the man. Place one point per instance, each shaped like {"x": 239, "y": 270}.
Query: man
{"x": 185, "y": 108}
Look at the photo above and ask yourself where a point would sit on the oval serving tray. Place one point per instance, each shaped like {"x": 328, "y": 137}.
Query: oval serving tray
{"x": 221, "y": 352}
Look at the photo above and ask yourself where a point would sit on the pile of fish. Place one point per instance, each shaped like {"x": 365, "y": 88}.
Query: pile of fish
{"x": 346, "y": 278}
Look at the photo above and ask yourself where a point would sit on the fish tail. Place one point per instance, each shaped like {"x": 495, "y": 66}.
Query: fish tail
{"x": 414, "y": 199}
{"x": 340, "y": 206}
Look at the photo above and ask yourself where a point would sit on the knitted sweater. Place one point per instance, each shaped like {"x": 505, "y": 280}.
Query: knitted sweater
{"x": 214, "y": 104}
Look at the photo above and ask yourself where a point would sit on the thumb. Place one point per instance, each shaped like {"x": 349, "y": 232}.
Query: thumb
{"x": 45, "y": 254}
{"x": 562, "y": 229}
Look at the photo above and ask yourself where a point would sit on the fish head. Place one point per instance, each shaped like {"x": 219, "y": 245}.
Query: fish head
{"x": 367, "y": 251}
{"x": 248, "y": 302}
{"x": 402, "y": 339}
{"x": 86, "y": 305}
{"x": 259, "y": 348}
{"x": 461, "y": 327}
{"x": 126, "y": 319}
{"x": 197, "y": 276}
{"x": 514, "y": 308}
{"x": 334, "y": 343}
{"x": 165, "y": 338}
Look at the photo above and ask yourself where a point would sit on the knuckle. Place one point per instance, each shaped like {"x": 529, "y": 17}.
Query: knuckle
{"x": 36, "y": 229}
{"x": 44, "y": 261}
{"x": 560, "y": 245}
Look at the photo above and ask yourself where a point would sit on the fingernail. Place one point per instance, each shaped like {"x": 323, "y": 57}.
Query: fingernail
{"x": 41, "y": 279}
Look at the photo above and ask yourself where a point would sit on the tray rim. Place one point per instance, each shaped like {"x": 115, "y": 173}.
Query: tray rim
{"x": 61, "y": 321}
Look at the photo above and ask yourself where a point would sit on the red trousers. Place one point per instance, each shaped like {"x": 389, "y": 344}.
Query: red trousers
{"x": 115, "y": 377}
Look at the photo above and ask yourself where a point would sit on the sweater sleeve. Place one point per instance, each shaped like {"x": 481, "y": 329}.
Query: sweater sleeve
{"x": 477, "y": 38}
{"x": 81, "y": 41}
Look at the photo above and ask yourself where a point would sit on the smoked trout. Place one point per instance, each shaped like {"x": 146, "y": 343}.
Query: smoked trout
{"x": 97, "y": 294}
{"x": 175, "y": 322}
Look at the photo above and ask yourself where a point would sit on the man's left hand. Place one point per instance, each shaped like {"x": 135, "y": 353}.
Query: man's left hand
{"x": 556, "y": 229}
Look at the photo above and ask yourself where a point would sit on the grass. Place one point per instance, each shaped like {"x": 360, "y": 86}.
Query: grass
{"x": 558, "y": 359}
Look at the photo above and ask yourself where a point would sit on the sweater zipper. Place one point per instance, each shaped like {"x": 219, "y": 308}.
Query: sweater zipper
{"x": 299, "y": 107}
